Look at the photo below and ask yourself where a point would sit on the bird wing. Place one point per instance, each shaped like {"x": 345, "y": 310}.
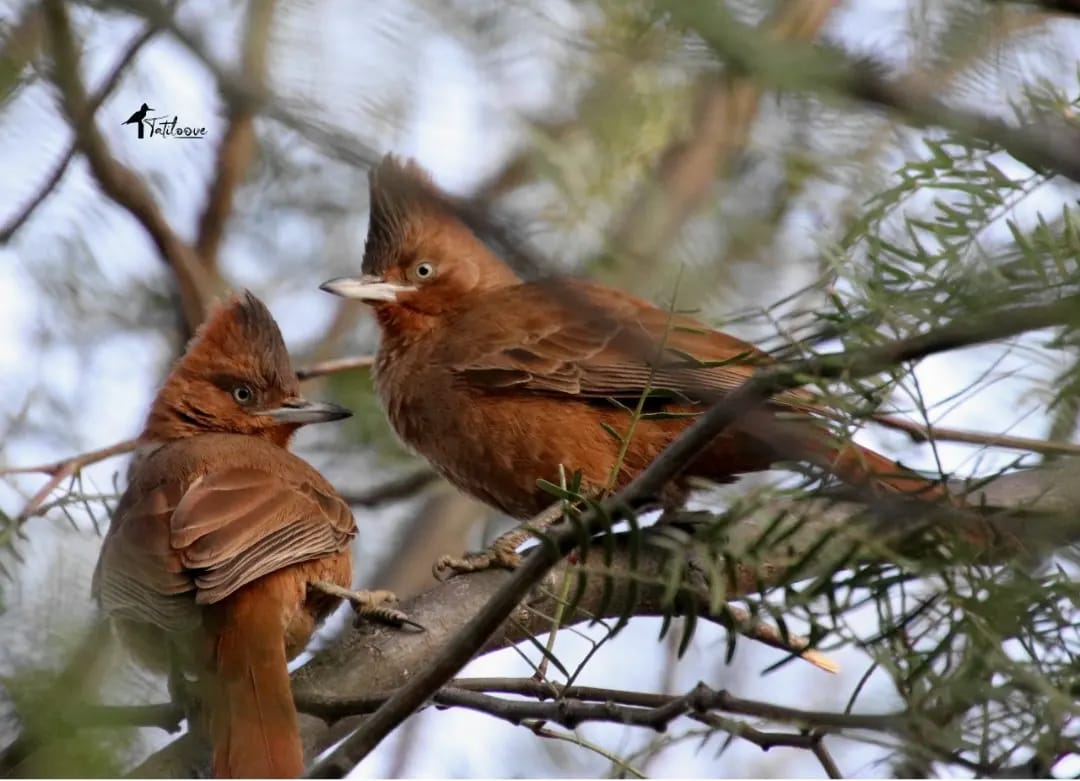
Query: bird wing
{"x": 236, "y": 525}
{"x": 220, "y": 532}
{"x": 139, "y": 575}
{"x": 582, "y": 339}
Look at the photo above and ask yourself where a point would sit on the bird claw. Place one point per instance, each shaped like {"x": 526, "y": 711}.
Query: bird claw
{"x": 374, "y": 606}
{"x": 499, "y": 554}
{"x": 370, "y": 605}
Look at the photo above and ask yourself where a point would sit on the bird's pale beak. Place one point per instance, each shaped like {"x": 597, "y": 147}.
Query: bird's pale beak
{"x": 369, "y": 288}
{"x": 301, "y": 411}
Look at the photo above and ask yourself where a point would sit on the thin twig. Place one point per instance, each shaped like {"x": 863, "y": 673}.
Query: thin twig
{"x": 537, "y": 728}
{"x": 769, "y": 634}
{"x": 58, "y": 471}
{"x": 825, "y": 758}
{"x": 65, "y": 465}
{"x": 335, "y": 366}
{"x": 922, "y": 433}
{"x": 399, "y": 488}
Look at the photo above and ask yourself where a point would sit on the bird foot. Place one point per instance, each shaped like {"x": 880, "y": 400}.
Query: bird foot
{"x": 369, "y": 605}
{"x": 502, "y": 553}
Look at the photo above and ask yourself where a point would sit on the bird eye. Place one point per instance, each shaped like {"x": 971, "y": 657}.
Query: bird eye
{"x": 242, "y": 394}
{"x": 424, "y": 270}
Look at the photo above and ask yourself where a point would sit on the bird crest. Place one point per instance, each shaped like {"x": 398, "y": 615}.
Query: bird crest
{"x": 404, "y": 200}
{"x": 242, "y": 330}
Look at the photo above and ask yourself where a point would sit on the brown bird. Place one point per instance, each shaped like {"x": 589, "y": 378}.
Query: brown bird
{"x": 220, "y": 551}
{"x": 498, "y": 382}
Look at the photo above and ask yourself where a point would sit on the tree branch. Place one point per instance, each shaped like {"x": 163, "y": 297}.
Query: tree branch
{"x": 336, "y": 143}
{"x": 22, "y": 42}
{"x": 1047, "y": 143}
{"x": 398, "y": 488}
{"x": 922, "y": 433}
{"x": 725, "y": 110}
{"x": 237, "y": 148}
{"x": 92, "y": 105}
{"x": 59, "y": 471}
{"x": 369, "y": 661}
{"x": 334, "y": 366}
{"x": 196, "y": 286}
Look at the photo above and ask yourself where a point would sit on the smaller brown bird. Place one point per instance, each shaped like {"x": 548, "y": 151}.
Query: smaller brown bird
{"x": 498, "y": 382}
{"x": 226, "y": 550}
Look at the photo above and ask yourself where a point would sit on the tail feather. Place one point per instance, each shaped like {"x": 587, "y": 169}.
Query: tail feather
{"x": 252, "y": 719}
{"x": 859, "y": 465}
{"x": 854, "y": 464}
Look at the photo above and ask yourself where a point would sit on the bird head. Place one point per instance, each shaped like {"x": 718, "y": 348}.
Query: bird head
{"x": 420, "y": 260}
{"x": 235, "y": 377}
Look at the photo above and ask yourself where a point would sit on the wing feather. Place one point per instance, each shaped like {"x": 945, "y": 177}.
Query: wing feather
{"x": 581, "y": 339}
{"x": 225, "y": 530}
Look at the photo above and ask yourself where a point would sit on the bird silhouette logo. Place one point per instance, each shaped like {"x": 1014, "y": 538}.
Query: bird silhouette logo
{"x": 162, "y": 126}
{"x": 137, "y": 119}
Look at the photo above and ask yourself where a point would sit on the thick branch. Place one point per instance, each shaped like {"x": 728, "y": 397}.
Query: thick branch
{"x": 725, "y": 110}
{"x": 1048, "y": 143}
{"x": 367, "y": 662}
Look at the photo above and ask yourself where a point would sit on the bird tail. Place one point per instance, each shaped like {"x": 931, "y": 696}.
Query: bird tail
{"x": 854, "y": 464}
{"x": 252, "y": 719}
{"x": 858, "y": 466}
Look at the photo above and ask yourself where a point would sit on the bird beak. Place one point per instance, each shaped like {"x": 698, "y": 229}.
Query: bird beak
{"x": 369, "y": 288}
{"x": 301, "y": 411}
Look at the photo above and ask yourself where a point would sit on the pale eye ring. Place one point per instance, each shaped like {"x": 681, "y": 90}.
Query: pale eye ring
{"x": 242, "y": 394}
{"x": 424, "y": 270}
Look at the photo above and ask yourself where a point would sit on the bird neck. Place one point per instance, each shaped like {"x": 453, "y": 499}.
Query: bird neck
{"x": 404, "y": 324}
